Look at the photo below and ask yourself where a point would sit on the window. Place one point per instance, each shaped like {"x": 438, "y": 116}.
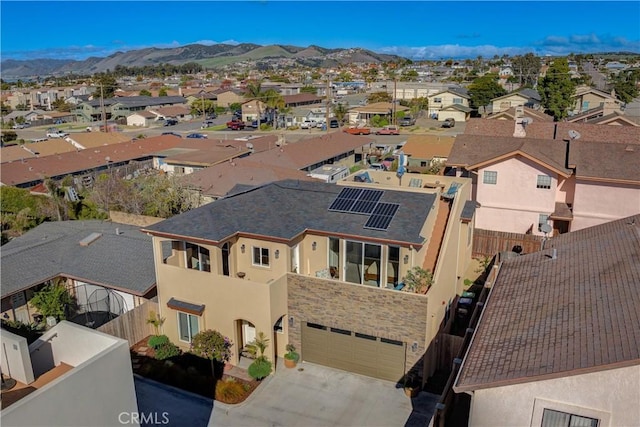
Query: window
{"x": 197, "y": 257}
{"x": 437, "y": 100}
{"x": 179, "y": 170}
{"x": 261, "y": 256}
{"x": 457, "y": 100}
{"x": 278, "y": 326}
{"x": 544, "y": 181}
{"x": 551, "y": 418}
{"x": 423, "y": 164}
{"x": 542, "y": 219}
{"x": 362, "y": 263}
{"x": 490, "y": 177}
{"x": 393, "y": 265}
{"x": 187, "y": 326}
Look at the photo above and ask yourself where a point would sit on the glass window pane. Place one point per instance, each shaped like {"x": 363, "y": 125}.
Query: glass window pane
{"x": 372, "y": 265}
{"x": 183, "y": 327}
{"x": 205, "y": 260}
{"x": 393, "y": 266}
{"x": 256, "y": 256}
{"x": 353, "y": 267}
{"x": 578, "y": 421}
{"x": 265, "y": 256}
{"x": 193, "y": 324}
{"x": 551, "y": 418}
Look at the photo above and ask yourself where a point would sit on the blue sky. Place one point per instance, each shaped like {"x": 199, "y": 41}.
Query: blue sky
{"x": 418, "y": 29}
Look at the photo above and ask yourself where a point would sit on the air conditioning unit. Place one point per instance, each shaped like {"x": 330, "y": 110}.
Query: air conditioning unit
{"x": 51, "y": 321}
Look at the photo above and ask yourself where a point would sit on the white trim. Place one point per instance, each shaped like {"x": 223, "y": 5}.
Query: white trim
{"x": 539, "y": 405}
{"x": 178, "y": 312}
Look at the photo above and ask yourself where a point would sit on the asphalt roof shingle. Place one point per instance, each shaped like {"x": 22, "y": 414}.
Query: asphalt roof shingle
{"x": 284, "y": 209}
{"x": 121, "y": 261}
{"x": 549, "y": 318}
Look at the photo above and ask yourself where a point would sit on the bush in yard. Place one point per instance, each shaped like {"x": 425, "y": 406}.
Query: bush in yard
{"x": 157, "y": 341}
{"x": 229, "y": 390}
{"x": 259, "y": 369}
{"x": 166, "y": 351}
{"x": 212, "y": 345}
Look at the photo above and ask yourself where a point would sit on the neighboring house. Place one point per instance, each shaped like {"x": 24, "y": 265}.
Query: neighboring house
{"x": 308, "y": 264}
{"x": 427, "y": 151}
{"x": 364, "y": 114}
{"x": 587, "y": 98}
{"x": 411, "y": 90}
{"x": 446, "y": 98}
{"x": 180, "y": 113}
{"x": 614, "y": 119}
{"x": 611, "y": 112}
{"x": 118, "y": 159}
{"x": 301, "y": 99}
{"x": 523, "y": 183}
{"x": 95, "y": 259}
{"x": 68, "y": 365}
{"x": 329, "y": 173}
{"x": 115, "y": 108}
{"x": 84, "y": 140}
{"x": 513, "y": 112}
{"x": 557, "y": 343}
{"x": 252, "y": 109}
{"x": 142, "y": 119}
{"x": 22, "y": 152}
{"x": 526, "y": 98}
{"x": 226, "y": 97}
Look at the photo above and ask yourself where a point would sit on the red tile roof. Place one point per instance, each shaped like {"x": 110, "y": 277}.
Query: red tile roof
{"x": 549, "y": 318}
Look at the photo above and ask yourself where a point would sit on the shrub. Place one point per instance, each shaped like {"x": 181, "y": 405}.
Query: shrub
{"x": 291, "y": 353}
{"x": 157, "y": 341}
{"x": 212, "y": 345}
{"x": 229, "y": 390}
{"x": 166, "y": 351}
{"x": 259, "y": 369}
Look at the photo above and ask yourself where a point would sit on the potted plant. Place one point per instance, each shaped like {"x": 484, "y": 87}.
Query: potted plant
{"x": 411, "y": 386}
{"x": 291, "y": 357}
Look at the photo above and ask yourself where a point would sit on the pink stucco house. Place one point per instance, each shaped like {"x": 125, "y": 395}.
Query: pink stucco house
{"x": 568, "y": 180}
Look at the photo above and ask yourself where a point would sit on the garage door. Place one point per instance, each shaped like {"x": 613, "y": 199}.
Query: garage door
{"x": 351, "y": 351}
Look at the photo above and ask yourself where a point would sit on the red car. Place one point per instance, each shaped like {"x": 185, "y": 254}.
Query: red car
{"x": 357, "y": 131}
{"x": 236, "y": 125}
{"x": 388, "y": 130}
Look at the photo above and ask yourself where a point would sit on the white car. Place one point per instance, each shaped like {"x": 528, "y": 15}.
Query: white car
{"x": 56, "y": 134}
{"x": 308, "y": 124}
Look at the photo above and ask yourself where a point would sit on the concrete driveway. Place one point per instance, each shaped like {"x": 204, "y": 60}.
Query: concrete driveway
{"x": 314, "y": 395}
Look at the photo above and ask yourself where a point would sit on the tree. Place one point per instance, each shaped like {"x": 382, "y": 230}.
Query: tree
{"x": 212, "y": 345}
{"x": 379, "y": 97}
{"x": 106, "y": 84}
{"x": 254, "y": 91}
{"x": 418, "y": 280}
{"x": 409, "y": 76}
{"x": 556, "y": 89}
{"x": 340, "y": 111}
{"x": 275, "y": 103}
{"x": 483, "y": 89}
{"x": 527, "y": 69}
{"x": 54, "y": 300}
{"x": 162, "y": 91}
{"x": 202, "y": 106}
{"x": 156, "y": 321}
{"x": 144, "y": 92}
{"x": 626, "y": 85}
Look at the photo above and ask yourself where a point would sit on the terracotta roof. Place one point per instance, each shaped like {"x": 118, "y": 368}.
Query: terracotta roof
{"x": 172, "y": 111}
{"x": 301, "y": 97}
{"x": 550, "y": 318}
{"x": 98, "y": 139}
{"x": 428, "y": 146}
{"x": 510, "y": 114}
{"x": 36, "y": 169}
{"x": 473, "y": 151}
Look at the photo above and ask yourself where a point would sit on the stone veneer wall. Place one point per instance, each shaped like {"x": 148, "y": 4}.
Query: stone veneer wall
{"x": 383, "y": 313}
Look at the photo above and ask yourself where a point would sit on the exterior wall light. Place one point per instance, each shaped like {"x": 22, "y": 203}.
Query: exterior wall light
{"x": 314, "y": 245}
{"x": 406, "y": 259}
{"x": 277, "y": 253}
{"x": 414, "y": 346}
{"x": 291, "y": 320}
{"x": 242, "y": 248}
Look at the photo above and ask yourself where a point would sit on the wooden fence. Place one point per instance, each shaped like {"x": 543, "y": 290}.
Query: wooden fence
{"x": 132, "y": 325}
{"x": 489, "y": 243}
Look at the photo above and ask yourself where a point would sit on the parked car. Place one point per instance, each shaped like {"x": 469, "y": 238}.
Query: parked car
{"x": 357, "y": 131}
{"x": 449, "y": 123}
{"x": 377, "y": 166}
{"x": 407, "y": 121}
{"x": 172, "y": 133}
{"x": 197, "y": 135}
{"x": 308, "y": 124}
{"x": 254, "y": 124}
{"x": 212, "y": 116}
{"x": 206, "y": 124}
{"x": 389, "y": 130}
{"x": 18, "y": 126}
{"x": 333, "y": 123}
{"x": 170, "y": 122}
{"x": 236, "y": 124}
{"x": 56, "y": 134}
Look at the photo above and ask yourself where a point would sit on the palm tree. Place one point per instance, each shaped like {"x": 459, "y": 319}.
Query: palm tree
{"x": 340, "y": 111}
{"x": 254, "y": 91}
{"x": 275, "y": 103}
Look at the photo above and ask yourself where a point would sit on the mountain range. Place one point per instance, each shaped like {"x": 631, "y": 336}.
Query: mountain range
{"x": 212, "y": 57}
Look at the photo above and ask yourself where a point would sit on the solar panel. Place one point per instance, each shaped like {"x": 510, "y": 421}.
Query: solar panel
{"x": 367, "y": 201}
{"x": 345, "y": 200}
{"x": 382, "y": 216}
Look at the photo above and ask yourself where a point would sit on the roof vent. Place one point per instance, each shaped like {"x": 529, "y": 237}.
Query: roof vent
{"x": 629, "y": 149}
{"x": 90, "y": 239}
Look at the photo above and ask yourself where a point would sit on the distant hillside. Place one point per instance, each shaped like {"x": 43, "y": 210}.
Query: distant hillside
{"x": 212, "y": 57}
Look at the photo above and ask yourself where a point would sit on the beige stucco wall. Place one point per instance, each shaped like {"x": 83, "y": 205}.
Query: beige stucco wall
{"x": 612, "y": 396}
{"x": 446, "y": 100}
{"x": 593, "y": 99}
{"x": 458, "y": 116}
{"x": 503, "y": 104}
{"x": 514, "y": 203}
{"x": 596, "y": 203}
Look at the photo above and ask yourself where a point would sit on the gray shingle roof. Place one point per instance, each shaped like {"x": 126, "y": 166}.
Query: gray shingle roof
{"x": 123, "y": 261}
{"x": 139, "y": 101}
{"x": 284, "y": 209}
{"x": 549, "y": 318}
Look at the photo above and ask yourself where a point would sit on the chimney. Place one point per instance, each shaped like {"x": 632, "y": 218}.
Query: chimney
{"x": 554, "y": 254}
{"x": 519, "y": 131}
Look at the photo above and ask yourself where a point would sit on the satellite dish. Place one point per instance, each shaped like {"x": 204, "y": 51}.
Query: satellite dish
{"x": 249, "y": 145}
{"x": 527, "y": 121}
{"x": 545, "y": 228}
{"x": 574, "y": 134}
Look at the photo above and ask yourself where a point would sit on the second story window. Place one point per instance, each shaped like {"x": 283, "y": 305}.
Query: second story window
{"x": 490, "y": 177}
{"x": 261, "y": 256}
{"x": 457, "y": 100}
{"x": 197, "y": 257}
{"x": 544, "y": 181}
{"x": 437, "y": 100}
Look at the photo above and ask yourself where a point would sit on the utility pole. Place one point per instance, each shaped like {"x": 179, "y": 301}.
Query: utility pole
{"x": 104, "y": 113}
{"x": 326, "y": 114}
{"x": 395, "y": 82}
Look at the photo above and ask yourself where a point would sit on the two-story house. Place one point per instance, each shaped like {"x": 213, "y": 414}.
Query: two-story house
{"x": 529, "y": 98}
{"x": 452, "y": 103}
{"x": 320, "y": 266}
{"x": 553, "y": 175}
